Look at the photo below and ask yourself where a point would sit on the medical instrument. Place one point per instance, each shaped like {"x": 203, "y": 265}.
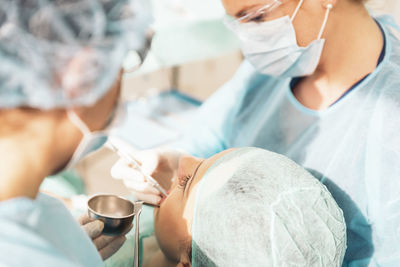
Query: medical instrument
{"x": 116, "y": 212}
{"x": 136, "y": 165}
{"x": 138, "y": 211}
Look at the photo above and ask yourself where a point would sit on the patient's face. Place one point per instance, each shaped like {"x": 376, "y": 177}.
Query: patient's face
{"x": 173, "y": 220}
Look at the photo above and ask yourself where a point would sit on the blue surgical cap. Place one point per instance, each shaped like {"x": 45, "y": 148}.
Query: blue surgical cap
{"x": 62, "y": 53}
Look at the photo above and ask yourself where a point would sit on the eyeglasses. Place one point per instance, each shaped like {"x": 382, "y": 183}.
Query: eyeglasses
{"x": 256, "y": 14}
{"x": 135, "y": 58}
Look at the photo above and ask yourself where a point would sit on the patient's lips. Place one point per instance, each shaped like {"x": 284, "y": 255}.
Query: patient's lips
{"x": 162, "y": 200}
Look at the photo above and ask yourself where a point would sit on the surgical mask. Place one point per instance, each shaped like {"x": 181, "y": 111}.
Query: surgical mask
{"x": 92, "y": 141}
{"x": 271, "y": 46}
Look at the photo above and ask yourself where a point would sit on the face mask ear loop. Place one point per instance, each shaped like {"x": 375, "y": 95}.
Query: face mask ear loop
{"x": 74, "y": 118}
{"x": 328, "y": 9}
{"x": 296, "y": 10}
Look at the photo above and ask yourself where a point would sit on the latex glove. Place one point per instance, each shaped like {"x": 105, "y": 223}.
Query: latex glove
{"x": 106, "y": 245}
{"x": 161, "y": 164}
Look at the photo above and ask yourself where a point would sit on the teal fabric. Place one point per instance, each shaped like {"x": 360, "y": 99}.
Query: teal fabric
{"x": 353, "y": 147}
{"x": 124, "y": 256}
{"x": 42, "y": 232}
{"x": 66, "y": 184}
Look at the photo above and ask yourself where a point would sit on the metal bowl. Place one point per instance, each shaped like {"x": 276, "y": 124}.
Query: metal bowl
{"x": 116, "y": 212}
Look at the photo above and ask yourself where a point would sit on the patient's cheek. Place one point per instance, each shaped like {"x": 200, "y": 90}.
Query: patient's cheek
{"x": 169, "y": 226}
{"x": 164, "y": 240}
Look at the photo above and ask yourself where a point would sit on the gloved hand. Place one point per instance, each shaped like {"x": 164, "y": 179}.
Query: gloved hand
{"x": 161, "y": 164}
{"x": 106, "y": 245}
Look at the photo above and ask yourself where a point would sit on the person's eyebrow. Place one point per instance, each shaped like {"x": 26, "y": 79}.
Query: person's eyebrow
{"x": 193, "y": 176}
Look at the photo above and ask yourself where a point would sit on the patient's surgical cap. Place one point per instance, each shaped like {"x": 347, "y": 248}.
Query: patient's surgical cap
{"x": 60, "y": 53}
{"x": 258, "y": 208}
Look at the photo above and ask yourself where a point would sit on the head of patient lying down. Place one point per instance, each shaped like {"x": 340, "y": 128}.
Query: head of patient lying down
{"x": 249, "y": 207}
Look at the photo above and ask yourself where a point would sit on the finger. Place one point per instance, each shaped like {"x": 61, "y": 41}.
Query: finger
{"x": 134, "y": 175}
{"x": 112, "y": 247}
{"x": 84, "y": 219}
{"x": 94, "y": 229}
{"x": 122, "y": 171}
{"x": 144, "y": 187}
{"x": 149, "y": 160}
{"x": 151, "y": 199}
{"x": 103, "y": 240}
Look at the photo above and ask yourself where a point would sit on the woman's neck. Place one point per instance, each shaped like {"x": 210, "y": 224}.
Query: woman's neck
{"x": 21, "y": 175}
{"x": 32, "y": 148}
{"x": 353, "y": 45}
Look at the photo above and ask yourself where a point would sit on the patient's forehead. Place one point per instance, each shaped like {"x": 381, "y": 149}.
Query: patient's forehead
{"x": 191, "y": 196}
{"x": 207, "y": 164}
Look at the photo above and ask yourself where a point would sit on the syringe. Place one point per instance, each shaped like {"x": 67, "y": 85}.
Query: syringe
{"x": 131, "y": 160}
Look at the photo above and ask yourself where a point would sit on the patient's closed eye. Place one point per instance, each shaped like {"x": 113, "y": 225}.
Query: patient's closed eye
{"x": 183, "y": 181}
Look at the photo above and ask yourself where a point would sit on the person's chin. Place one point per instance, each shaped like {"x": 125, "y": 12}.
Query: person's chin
{"x": 60, "y": 168}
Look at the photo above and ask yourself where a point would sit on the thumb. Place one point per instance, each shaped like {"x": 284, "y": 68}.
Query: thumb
{"x": 94, "y": 229}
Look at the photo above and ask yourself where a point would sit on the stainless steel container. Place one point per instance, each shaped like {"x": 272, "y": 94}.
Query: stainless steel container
{"x": 116, "y": 212}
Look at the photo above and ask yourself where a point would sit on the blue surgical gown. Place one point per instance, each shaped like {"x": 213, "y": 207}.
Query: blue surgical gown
{"x": 42, "y": 232}
{"x": 353, "y": 147}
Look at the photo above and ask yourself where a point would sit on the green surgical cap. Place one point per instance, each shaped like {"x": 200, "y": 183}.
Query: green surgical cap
{"x": 258, "y": 208}
{"x": 61, "y": 53}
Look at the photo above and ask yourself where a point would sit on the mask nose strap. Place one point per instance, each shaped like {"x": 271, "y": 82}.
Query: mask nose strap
{"x": 74, "y": 118}
{"x": 328, "y": 9}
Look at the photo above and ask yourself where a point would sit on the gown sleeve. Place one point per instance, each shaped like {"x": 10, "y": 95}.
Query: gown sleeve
{"x": 382, "y": 173}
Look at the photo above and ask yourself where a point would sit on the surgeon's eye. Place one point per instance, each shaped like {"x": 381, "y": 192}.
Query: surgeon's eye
{"x": 183, "y": 181}
{"x": 259, "y": 18}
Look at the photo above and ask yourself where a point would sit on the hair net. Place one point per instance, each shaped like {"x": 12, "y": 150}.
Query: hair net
{"x": 59, "y": 53}
{"x": 258, "y": 208}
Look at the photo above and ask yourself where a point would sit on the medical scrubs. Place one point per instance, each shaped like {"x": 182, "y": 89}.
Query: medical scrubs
{"x": 42, "y": 232}
{"x": 353, "y": 147}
